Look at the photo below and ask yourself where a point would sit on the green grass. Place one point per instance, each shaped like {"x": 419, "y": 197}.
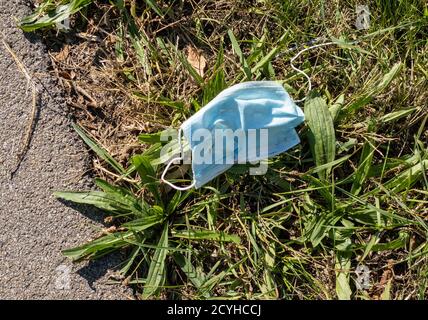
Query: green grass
{"x": 354, "y": 192}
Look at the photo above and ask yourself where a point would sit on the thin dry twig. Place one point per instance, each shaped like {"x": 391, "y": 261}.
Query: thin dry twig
{"x": 29, "y": 129}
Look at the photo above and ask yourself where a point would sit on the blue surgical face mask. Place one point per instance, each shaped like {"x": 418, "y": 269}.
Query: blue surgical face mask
{"x": 258, "y": 117}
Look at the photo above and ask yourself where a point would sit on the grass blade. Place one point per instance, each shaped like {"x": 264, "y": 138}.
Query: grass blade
{"x": 193, "y": 73}
{"x": 101, "y": 152}
{"x": 196, "y": 276}
{"x": 152, "y": 4}
{"x": 147, "y": 174}
{"x": 267, "y": 58}
{"x": 367, "y": 97}
{"x": 217, "y": 81}
{"x": 407, "y": 178}
{"x": 156, "y": 275}
{"x": 365, "y": 164}
{"x": 238, "y": 52}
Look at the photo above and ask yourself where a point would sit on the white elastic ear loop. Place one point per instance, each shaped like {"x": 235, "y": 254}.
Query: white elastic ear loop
{"x": 301, "y": 71}
{"x": 180, "y": 145}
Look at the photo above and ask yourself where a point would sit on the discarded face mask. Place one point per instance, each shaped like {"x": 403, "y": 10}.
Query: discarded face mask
{"x": 247, "y": 122}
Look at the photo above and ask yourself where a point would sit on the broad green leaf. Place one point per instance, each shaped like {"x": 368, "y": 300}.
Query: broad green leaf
{"x": 396, "y": 115}
{"x": 270, "y": 255}
{"x": 342, "y": 268}
{"x": 206, "y": 235}
{"x": 388, "y": 77}
{"x": 343, "y": 253}
{"x": 321, "y": 134}
{"x": 337, "y": 106}
{"x": 368, "y": 247}
{"x": 386, "y": 294}
{"x": 141, "y": 224}
{"x": 276, "y": 180}
{"x": 172, "y": 151}
{"x": 369, "y": 217}
{"x": 153, "y": 153}
{"x": 48, "y": 14}
{"x": 101, "y": 200}
{"x": 156, "y": 274}
{"x": 99, "y": 247}
{"x": 123, "y": 195}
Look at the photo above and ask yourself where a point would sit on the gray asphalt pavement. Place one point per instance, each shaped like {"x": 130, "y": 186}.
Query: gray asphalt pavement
{"x": 34, "y": 226}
